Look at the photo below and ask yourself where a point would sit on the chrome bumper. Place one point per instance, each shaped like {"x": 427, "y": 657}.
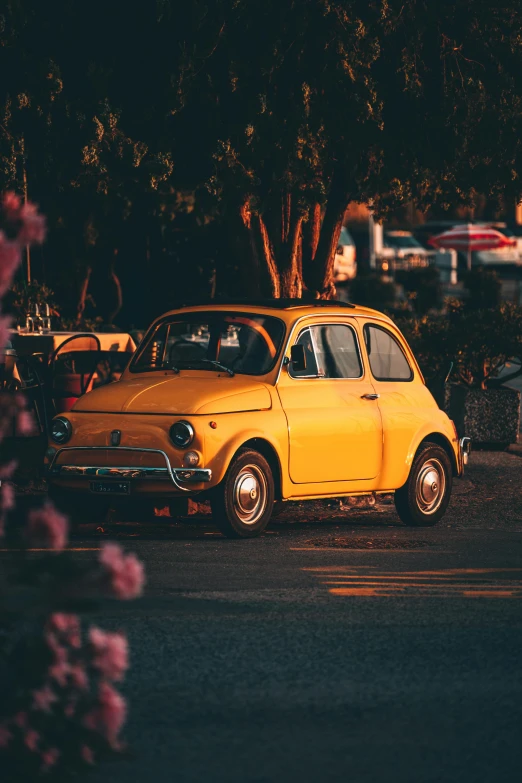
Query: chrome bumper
{"x": 465, "y": 450}
{"x": 168, "y": 473}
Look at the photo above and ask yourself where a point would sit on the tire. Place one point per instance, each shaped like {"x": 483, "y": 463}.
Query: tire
{"x": 423, "y": 500}
{"x": 79, "y": 507}
{"x": 242, "y": 503}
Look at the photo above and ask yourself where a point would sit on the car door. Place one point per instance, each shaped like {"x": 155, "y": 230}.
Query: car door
{"x": 334, "y": 424}
{"x": 404, "y": 402}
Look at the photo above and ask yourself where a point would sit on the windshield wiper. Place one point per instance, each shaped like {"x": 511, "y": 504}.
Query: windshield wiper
{"x": 219, "y": 366}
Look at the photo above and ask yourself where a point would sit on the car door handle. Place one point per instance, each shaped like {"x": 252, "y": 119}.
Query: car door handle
{"x": 370, "y": 396}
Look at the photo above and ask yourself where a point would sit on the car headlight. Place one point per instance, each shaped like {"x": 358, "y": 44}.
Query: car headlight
{"x": 61, "y": 430}
{"x": 182, "y": 434}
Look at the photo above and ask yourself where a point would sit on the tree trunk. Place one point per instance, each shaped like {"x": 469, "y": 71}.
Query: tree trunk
{"x": 83, "y": 295}
{"x": 289, "y": 256}
{"x": 318, "y": 272}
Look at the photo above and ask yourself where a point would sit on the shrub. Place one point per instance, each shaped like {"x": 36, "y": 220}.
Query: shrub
{"x": 478, "y": 342}
{"x": 422, "y": 288}
{"x": 59, "y": 710}
{"x": 372, "y": 291}
{"x": 483, "y": 287}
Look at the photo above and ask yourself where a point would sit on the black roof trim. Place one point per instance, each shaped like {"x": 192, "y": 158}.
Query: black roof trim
{"x": 277, "y": 304}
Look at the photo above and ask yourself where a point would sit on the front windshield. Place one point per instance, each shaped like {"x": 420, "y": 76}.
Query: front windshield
{"x": 243, "y": 342}
{"x": 403, "y": 240}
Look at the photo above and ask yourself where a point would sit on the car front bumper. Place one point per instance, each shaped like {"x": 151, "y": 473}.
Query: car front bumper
{"x": 464, "y": 452}
{"x": 177, "y": 476}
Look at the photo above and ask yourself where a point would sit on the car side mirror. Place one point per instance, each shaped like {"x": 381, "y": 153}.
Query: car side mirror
{"x": 298, "y": 358}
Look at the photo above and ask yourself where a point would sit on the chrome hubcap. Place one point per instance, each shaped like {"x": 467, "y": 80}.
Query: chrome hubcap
{"x": 250, "y": 492}
{"x": 431, "y": 486}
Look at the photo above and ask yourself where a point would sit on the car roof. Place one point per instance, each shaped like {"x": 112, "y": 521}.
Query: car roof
{"x": 290, "y": 309}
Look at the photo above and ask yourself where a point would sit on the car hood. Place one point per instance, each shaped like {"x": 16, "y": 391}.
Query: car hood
{"x": 178, "y": 395}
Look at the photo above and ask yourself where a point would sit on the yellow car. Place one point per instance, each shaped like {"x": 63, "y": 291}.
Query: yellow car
{"x": 252, "y": 402}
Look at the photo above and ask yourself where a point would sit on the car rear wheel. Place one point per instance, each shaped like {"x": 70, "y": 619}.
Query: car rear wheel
{"x": 242, "y": 503}
{"x": 423, "y": 500}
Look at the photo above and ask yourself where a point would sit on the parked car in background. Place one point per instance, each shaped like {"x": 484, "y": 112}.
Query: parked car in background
{"x": 345, "y": 265}
{"x": 246, "y": 404}
{"x": 502, "y": 256}
{"x": 403, "y": 245}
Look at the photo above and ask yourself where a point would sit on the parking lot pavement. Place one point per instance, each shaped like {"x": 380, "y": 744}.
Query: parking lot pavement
{"x": 338, "y": 646}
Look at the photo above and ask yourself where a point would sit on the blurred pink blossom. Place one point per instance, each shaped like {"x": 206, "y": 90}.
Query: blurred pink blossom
{"x": 126, "y": 573}
{"x": 11, "y": 204}
{"x": 60, "y": 672}
{"x": 87, "y": 754}
{"x": 7, "y": 502}
{"x": 111, "y": 653}
{"x": 10, "y": 257}
{"x": 68, "y": 625}
{"x": 69, "y": 709}
{"x": 20, "y": 719}
{"x": 7, "y": 470}
{"x": 25, "y": 423}
{"x": 33, "y": 225}
{"x": 5, "y": 325}
{"x": 31, "y": 739}
{"x": 49, "y": 758}
{"x": 108, "y": 716}
{"x": 24, "y": 218}
{"x": 79, "y": 677}
{"x": 5, "y": 736}
{"x": 8, "y": 496}
{"x": 46, "y": 527}
{"x": 43, "y": 698}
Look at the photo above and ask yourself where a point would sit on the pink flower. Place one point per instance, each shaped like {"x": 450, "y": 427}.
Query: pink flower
{"x": 7, "y": 470}
{"x": 46, "y": 527}
{"x": 87, "y": 754}
{"x": 25, "y": 423}
{"x": 60, "y": 653}
{"x": 11, "y": 204}
{"x": 7, "y": 501}
{"x": 126, "y": 573}
{"x": 5, "y": 322}
{"x": 59, "y": 672}
{"x": 20, "y": 719}
{"x": 49, "y": 758}
{"x": 68, "y": 626}
{"x": 31, "y": 739}
{"x": 5, "y": 736}
{"x": 10, "y": 257}
{"x": 33, "y": 225}
{"x": 79, "y": 677}
{"x": 111, "y": 653}
{"x": 70, "y": 709}
{"x": 43, "y": 699}
{"x": 108, "y": 717}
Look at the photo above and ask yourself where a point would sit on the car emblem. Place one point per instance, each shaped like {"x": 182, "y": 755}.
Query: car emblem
{"x": 115, "y": 437}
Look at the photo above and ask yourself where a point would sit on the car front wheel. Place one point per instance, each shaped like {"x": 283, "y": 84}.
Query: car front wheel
{"x": 423, "y": 500}
{"x": 242, "y": 503}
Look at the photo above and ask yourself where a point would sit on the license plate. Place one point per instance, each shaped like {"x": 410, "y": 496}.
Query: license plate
{"x": 110, "y": 487}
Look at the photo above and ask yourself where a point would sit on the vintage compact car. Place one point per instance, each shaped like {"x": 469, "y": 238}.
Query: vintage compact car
{"x": 249, "y": 403}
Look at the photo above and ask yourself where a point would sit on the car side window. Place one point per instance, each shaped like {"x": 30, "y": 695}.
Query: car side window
{"x": 387, "y": 359}
{"x": 337, "y": 351}
{"x": 305, "y": 339}
{"x": 331, "y": 351}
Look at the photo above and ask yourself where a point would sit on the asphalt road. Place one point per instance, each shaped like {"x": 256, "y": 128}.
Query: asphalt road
{"x": 346, "y": 649}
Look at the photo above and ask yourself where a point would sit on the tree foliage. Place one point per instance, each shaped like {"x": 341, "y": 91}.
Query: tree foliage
{"x": 284, "y": 111}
